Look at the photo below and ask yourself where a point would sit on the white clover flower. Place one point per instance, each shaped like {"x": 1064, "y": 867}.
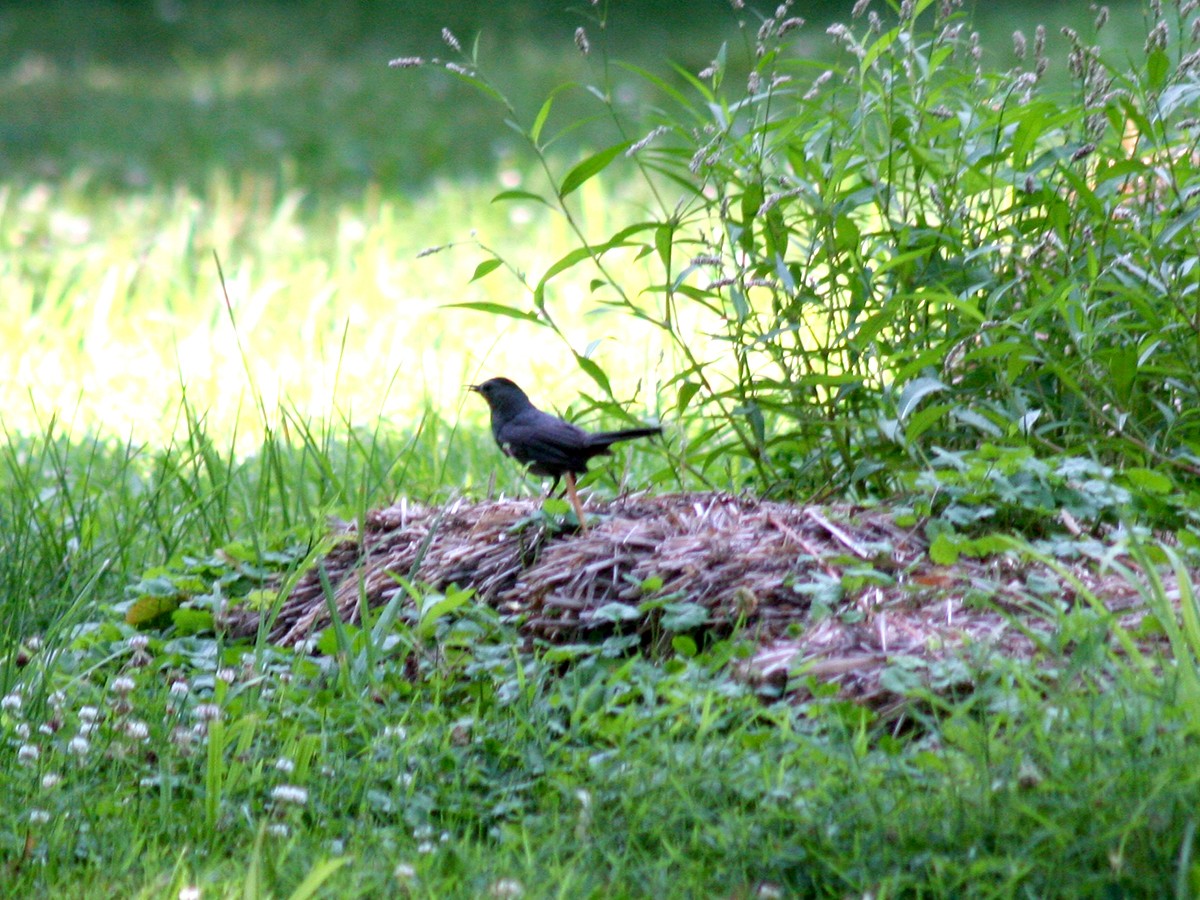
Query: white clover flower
{"x": 88, "y": 714}
{"x": 23, "y": 731}
{"x": 227, "y": 675}
{"x": 137, "y": 730}
{"x": 79, "y": 745}
{"x": 179, "y": 689}
{"x": 507, "y": 887}
{"x": 11, "y": 702}
{"x": 290, "y": 793}
{"x": 122, "y": 685}
{"x": 285, "y": 765}
{"x": 181, "y": 737}
{"x": 425, "y": 847}
{"x": 189, "y": 892}
{"x": 207, "y": 712}
{"x": 50, "y": 781}
{"x": 405, "y": 871}
{"x": 28, "y": 754}
{"x": 278, "y": 829}
{"x": 138, "y": 642}
{"x": 38, "y": 817}
{"x": 58, "y": 699}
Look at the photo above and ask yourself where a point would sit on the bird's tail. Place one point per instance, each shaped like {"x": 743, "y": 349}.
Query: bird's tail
{"x": 605, "y": 438}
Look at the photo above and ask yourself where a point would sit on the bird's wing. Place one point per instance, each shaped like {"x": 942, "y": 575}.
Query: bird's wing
{"x": 535, "y": 436}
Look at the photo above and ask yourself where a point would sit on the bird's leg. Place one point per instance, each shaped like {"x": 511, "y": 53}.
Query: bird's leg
{"x": 574, "y": 495}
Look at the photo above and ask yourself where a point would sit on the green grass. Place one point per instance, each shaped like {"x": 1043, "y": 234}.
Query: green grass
{"x": 156, "y": 423}
{"x": 619, "y": 776}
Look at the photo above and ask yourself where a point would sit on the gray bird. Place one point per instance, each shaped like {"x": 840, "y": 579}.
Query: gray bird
{"x": 549, "y": 445}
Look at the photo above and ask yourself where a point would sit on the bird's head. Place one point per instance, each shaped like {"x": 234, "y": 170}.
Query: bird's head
{"x": 502, "y": 395}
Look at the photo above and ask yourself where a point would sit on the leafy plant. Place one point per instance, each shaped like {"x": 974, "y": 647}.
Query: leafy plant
{"x": 904, "y": 251}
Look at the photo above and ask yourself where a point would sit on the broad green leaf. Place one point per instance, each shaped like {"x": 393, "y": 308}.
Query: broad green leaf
{"x": 944, "y": 549}
{"x": 488, "y": 265}
{"x": 914, "y": 392}
{"x": 687, "y": 391}
{"x": 924, "y": 419}
{"x": 616, "y": 612}
{"x": 435, "y": 606}
{"x": 590, "y": 167}
{"x": 1149, "y": 481}
{"x": 594, "y": 372}
{"x": 148, "y": 610}
{"x": 192, "y": 621}
{"x": 662, "y": 242}
{"x": 684, "y": 646}
{"x": 683, "y": 616}
{"x": 1157, "y": 67}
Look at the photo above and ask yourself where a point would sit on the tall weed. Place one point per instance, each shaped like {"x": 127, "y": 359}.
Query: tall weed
{"x": 857, "y": 266}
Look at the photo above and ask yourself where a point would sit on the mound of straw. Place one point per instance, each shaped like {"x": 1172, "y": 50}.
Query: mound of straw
{"x": 828, "y": 594}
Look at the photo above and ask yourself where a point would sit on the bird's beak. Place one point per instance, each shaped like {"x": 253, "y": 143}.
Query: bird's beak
{"x": 472, "y": 387}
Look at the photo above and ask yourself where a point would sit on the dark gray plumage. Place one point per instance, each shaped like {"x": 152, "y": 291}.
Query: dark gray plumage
{"x": 549, "y": 445}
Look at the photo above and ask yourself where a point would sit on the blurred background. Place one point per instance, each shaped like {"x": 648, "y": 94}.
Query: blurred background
{"x": 151, "y": 91}
{"x": 140, "y": 141}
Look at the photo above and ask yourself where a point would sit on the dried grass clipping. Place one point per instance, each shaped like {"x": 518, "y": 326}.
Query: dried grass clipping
{"x": 752, "y": 564}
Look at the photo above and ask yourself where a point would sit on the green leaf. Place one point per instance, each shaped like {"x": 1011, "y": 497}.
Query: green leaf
{"x": 616, "y": 612}
{"x": 683, "y": 616}
{"x": 944, "y": 549}
{"x": 436, "y": 606}
{"x": 590, "y": 167}
{"x": 684, "y": 646}
{"x": 594, "y": 372}
{"x": 148, "y": 610}
{"x": 1157, "y": 67}
{"x": 662, "y": 242}
{"x": 498, "y": 309}
{"x": 336, "y": 639}
{"x": 556, "y": 506}
{"x": 687, "y": 391}
{"x": 480, "y": 85}
{"x": 565, "y": 262}
{"x": 317, "y": 876}
{"x": 914, "y": 392}
{"x": 192, "y": 621}
{"x": 1149, "y": 481}
{"x": 539, "y": 121}
{"x": 520, "y": 196}
{"x": 488, "y": 265}
{"x": 924, "y": 419}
